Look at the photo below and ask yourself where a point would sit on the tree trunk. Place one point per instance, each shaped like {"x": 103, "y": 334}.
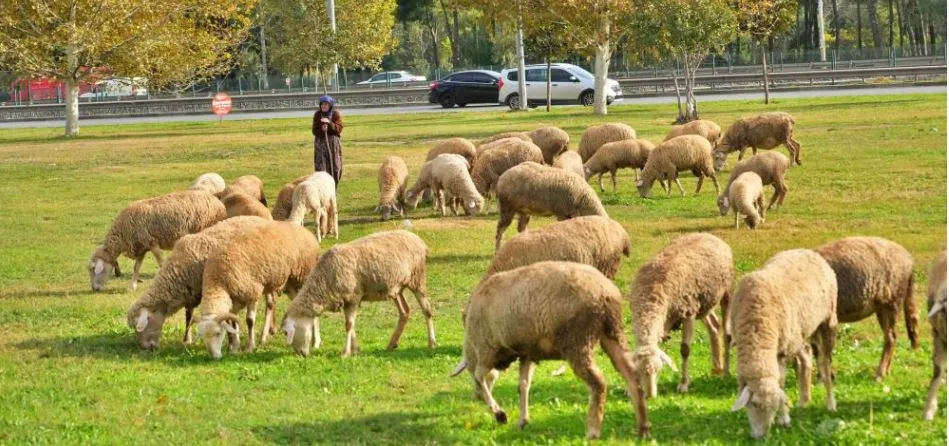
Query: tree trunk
{"x": 548, "y": 81}
{"x": 890, "y": 2}
{"x": 452, "y": 40}
{"x": 764, "y": 73}
{"x": 922, "y": 30}
{"x": 72, "y": 108}
{"x": 821, "y": 44}
{"x": 72, "y": 81}
{"x": 601, "y": 67}
{"x": 456, "y": 42}
{"x": 521, "y": 72}
{"x": 859, "y": 27}
{"x": 900, "y": 22}
{"x": 433, "y": 33}
{"x": 833, "y": 4}
{"x": 263, "y": 58}
{"x": 874, "y": 24}
{"x": 806, "y": 37}
{"x": 675, "y": 82}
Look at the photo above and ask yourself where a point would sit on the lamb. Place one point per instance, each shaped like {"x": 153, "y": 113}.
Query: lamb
{"x": 178, "y": 284}
{"x": 151, "y": 225}
{"x": 571, "y": 162}
{"x": 613, "y": 156}
{"x": 593, "y": 240}
{"x": 454, "y": 185}
{"x": 281, "y": 209}
{"x": 247, "y": 184}
{"x": 594, "y": 137}
{"x": 936, "y": 301}
{"x": 770, "y": 167}
{"x": 491, "y": 164}
{"x": 269, "y": 260}
{"x": 776, "y": 314}
{"x": 763, "y": 131}
{"x": 458, "y": 146}
{"x": 519, "y": 135}
{"x": 542, "y": 311}
{"x": 687, "y": 152}
{"x": 704, "y": 128}
{"x": 317, "y": 195}
{"x": 393, "y": 174}
{"x": 210, "y": 182}
{"x": 745, "y": 197}
{"x": 683, "y": 283}
{"x": 240, "y": 203}
{"x": 874, "y": 275}
{"x": 534, "y": 189}
{"x": 426, "y": 180}
{"x": 375, "y": 268}
{"x": 552, "y": 141}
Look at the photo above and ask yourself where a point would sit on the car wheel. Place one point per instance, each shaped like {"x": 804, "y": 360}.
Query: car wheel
{"x": 462, "y": 104}
{"x": 447, "y": 101}
{"x": 514, "y": 101}
{"x": 586, "y": 99}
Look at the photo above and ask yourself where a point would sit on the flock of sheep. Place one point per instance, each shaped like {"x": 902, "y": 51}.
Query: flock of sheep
{"x": 547, "y": 294}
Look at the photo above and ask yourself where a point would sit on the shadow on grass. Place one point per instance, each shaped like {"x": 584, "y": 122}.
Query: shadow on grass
{"x": 455, "y": 258}
{"x": 413, "y": 353}
{"x": 379, "y": 428}
{"x": 63, "y": 293}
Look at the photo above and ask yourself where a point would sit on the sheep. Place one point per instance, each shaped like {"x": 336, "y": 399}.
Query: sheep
{"x": 272, "y": 259}
{"x": 454, "y": 185}
{"x": 151, "y": 225}
{"x": 594, "y": 137}
{"x": 763, "y": 131}
{"x": 281, "y": 209}
{"x": 612, "y": 156}
{"x": 874, "y": 275}
{"x": 491, "y": 164}
{"x": 936, "y": 301}
{"x": 210, "y": 182}
{"x": 247, "y": 184}
{"x": 317, "y": 195}
{"x": 242, "y": 204}
{"x": 534, "y": 189}
{"x": 770, "y": 167}
{"x": 704, "y": 128}
{"x": 547, "y": 310}
{"x": 552, "y": 141}
{"x": 375, "y": 268}
{"x": 593, "y": 240}
{"x": 745, "y": 197}
{"x": 683, "y": 283}
{"x": 426, "y": 180}
{"x": 571, "y": 162}
{"x": 503, "y": 143}
{"x": 178, "y": 284}
{"x": 519, "y": 135}
{"x": 393, "y": 174}
{"x": 776, "y": 314}
{"x": 687, "y": 152}
{"x": 458, "y": 146}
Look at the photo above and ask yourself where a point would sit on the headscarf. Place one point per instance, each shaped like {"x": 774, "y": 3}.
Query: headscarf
{"x": 329, "y": 100}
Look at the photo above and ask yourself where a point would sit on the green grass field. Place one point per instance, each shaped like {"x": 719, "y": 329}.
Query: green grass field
{"x": 71, "y": 373}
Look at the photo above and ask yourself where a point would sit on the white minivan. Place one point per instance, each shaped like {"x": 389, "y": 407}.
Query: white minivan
{"x": 569, "y": 84}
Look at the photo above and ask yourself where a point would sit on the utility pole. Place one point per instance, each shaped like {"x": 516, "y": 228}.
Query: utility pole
{"x": 331, "y": 10}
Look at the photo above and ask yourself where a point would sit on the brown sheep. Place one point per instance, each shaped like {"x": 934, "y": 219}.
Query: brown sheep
{"x": 936, "y": 300}
{"x": 764, "y": 131}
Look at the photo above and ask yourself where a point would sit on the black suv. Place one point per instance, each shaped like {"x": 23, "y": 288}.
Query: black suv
{"x": 466, "y": 87}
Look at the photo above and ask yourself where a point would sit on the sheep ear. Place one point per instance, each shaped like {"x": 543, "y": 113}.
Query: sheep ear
{"x": 376, "y": 209}
{"x": 667, "y": 360}
{"x": 939, "y": 306}
{"x": 725, "y": 202}
{"x": 460, "y": 368}
{"x": 290, "y": 328}
{"x": 742, "y": 400}
{"x": 227, "y": 327}
{"x": 142, "y": 321}
{"x": 100, "y": 266}
{"x": 639, "y": 183}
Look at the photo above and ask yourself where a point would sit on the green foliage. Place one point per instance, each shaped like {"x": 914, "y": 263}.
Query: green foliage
{"x": 763, "y": 18}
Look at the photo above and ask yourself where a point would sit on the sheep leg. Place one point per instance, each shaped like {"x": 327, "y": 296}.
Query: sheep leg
{"x": 350, "y": 314}
{"x": 679, "y": 184}
{"x": 621, "y": 362}
{"x": 135, "y": 270}
{"x": 234, "y": 339}
{"x": 741, "y": 153}
{"x": 727, "y": 333}
{"x": 504, "y": 221}
{"x": 524, "y": 388}
{"x": 335, "y": 220}
{"x": 251, "y": 318}
{"x": 156, "y": 251}
{"x": 688, "y": 331}
{"x": 718, "y": 189}
{"x": 760, "y": 204}
{"x": 269, "y": 309}
{"x": 828, "y": 337}
{"x": 715, "y": 341}
{"x": 273, "y": 317}
{"x": 737, "y": 226}
{"x": 600, "y": 181}
{"x": 317, "y": 340}
{"x": 522, "y": 221}
{"x": 189, "y": 313}
{"x": 887, "y": 319}
{"x": 484, "y": 381}
{"x": 795, "y": 148}
{"x": 939, "y": 369}
{"x": 585, "y": 369}
{"x": 420, "y": 291}
{"x": 404, "y": 311}
{"x": 613, "y": 178}
{"x": 783, "y": 417}
{"x": 804, "y": 365}
{"x": 698, "y": 187}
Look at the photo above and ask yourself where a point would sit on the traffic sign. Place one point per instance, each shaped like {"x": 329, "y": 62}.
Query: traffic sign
{"x": 221, "y": 104}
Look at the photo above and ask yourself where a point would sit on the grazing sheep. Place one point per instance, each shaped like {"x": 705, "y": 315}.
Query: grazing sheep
{"x": 770, "y": 167}
{"x": 594, "y": 137}
{"x": 210, "y": 182}
{"x": 613, "y": 156}
{"x": 393, "y": 174}
{"x": 745, "y": 197}
{"x": 178, "y": 284}
{"x": 281, "y": 209}
{"x": 239, "y": 203}
{"x": 936, "y": 301}
{"x": 427, "y": 181}
{"x": 543, "y": 311}
{"x": 687, "y": 152}
{"x": 552, "y": 141}
{"x": 874, "y": 276}
{"x": 593, "y": 240}
{"x": 375, "y": 268}
{"x": 458, "y": 146}
{"x": 491, "y": 164}
{"x": 317, "y": 195}
{"x": 571, "y": 162}
{"x": 776, "y": 314}
{"x": 763, "y": 131}
{"x": 503, "y": 143}
{"x": 149, "y": 226}
{"x": 519, "y": 135}
{"x": 683, "y": 283}
{"x": 266, "y": 261}
{"x": 247, "y": 184}
{"x": 453, "y": 185}
{"x": 534, "y": 189}
{"x": 704, "y": 128}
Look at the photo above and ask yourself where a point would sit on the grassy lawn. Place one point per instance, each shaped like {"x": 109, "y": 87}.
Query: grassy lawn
{"x": 71, "y": 373}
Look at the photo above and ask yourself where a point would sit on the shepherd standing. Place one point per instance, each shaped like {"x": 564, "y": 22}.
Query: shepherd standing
{"x": 327, "y": 151}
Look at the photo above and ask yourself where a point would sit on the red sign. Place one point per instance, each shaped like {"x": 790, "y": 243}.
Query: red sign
{"x": 221, "y": 104}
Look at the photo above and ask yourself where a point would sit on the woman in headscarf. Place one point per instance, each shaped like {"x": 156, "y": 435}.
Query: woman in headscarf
{"x": 327, "y": 151}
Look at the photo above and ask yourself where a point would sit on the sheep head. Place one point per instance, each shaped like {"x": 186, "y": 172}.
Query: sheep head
{"x": 412, "y": 198}
{"x": 723, "y": 204}
{"x": 300, "y": 333}
{"x": 213, "y": 329}
{"x": 644, "y": 187}
{"x": 101, "y": 266}
{"x": 720, "y": 156}
{"x": 761, "y": 399}
{"x": 147, "y": 325}
{"x": 648, "y": 361}
{"x": 474, "y": 206}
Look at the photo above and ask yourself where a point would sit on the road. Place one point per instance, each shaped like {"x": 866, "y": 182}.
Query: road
{"x": 475, "y": 109}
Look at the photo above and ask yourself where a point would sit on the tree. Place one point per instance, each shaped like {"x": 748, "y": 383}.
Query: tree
{"x": 501, "y": 10}
{"x": 545, "y": 39}
{"x": 77, "y": 40}
{"x": 763, "y": 19}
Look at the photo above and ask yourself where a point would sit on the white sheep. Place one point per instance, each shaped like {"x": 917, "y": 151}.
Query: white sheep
{"x": 612, "y": 156}
{"x": 210, "y": 182}
{"x": 770, "y": 167}
{"x": 745, "y": 197}
{"x": 776, "y": 314}
{"x": 594, "y": 137}
{"x": 393, "y": 174}
{"x": 936, "y": 302}
{"x": 281, "y": 209}
{"x": 317, "y": 195}
{"x": 571, "y": 162}
{"x": 453, "y": 185}
{"x": 149, "y": 226}
{"x": 687, "y": 152}
{"x": 763, "y": 131}
{"x": 457, "y": 146}
{"x": 426, "y": 180}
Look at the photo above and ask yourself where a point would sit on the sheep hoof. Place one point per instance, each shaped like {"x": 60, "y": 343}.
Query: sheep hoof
{"x": 593, "y": 434}
{"x": 522, "y": 423}
{"x": 682, "y": 388}
{"x": 559, "y": 371}
{"x": 718, "y": 372}
{"x": 392, "y": 346}
{"x": 784, "y": 421}
{"x": 500, "y": 417}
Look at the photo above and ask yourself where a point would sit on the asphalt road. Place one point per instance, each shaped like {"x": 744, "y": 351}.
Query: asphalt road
{"x": 473, "y": 108}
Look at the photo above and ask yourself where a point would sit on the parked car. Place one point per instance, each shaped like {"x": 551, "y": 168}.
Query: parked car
{"x": 570, "y": 84}
{"x": 392, "y": 77}
{"x": 466, "y": 87}
{"x": 118, "y": 87}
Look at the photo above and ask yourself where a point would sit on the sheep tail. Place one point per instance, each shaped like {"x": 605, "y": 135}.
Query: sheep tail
{"x": 910, "y": 314}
